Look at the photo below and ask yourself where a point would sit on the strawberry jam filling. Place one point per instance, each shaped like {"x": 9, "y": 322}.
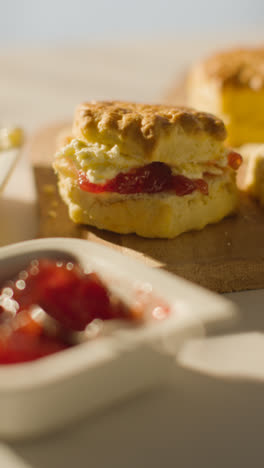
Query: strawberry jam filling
{"x": 155, "y": 177}
{"x": 69, "y": 300}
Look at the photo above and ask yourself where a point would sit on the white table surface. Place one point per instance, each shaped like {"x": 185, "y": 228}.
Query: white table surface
{"x": 213, "y": 413}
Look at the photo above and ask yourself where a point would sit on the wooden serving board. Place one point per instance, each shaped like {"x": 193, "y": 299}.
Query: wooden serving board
{"x": 228, "y": 256}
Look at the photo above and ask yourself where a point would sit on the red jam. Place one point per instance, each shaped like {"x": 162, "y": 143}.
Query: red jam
{"x": 184, "y": 186}
{"x": 25, "y": 340}
{"x": 234, "y": 160}
{"x": 155, "y": 177}
{"x": 68, "y": 297}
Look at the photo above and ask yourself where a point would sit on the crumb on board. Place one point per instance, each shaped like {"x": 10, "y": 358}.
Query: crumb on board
{"x": 49, "y": 188}
{"x": 52, "y": 214}
{"x": 54, "y": 203}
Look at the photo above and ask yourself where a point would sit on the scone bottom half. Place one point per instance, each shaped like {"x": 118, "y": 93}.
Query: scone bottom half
{"x": 156, "y": 171}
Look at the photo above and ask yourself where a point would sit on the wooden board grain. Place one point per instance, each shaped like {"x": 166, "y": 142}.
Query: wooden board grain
{"x": 228, "y": 256}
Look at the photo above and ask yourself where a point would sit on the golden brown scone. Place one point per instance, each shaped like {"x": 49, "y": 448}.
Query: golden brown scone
{"x": 178, "y": 154}
{"x": 231, "y": 85}
{"x": 239, "y": 68}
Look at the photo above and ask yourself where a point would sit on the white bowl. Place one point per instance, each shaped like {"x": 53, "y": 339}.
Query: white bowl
{"x": 42, "y": 395}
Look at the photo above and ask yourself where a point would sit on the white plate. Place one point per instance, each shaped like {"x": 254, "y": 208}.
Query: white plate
{"x": 39, "y": 396}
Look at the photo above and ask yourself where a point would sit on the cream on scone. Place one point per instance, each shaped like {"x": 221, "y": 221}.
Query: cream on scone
{"x": 230, "y": 84}
{"x": 153, "y": 170}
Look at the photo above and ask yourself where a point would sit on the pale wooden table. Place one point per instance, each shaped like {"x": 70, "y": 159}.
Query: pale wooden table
{"x": 213, "y": 415}
{"x": 43, "y": 85}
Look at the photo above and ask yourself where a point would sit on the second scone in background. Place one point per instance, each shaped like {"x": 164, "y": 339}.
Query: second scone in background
{"x": 230, "y": 84}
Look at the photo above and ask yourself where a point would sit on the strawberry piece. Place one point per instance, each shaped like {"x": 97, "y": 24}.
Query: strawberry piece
{"x": 71, "y": 297}
{"x": 75, "y": 304}
{"x": 234, "y": 160}
{"x": 20, "y": 347}
{"x": 46, "y": 274}
{"x": 22, "y": 339}
{"x": 152, "y": 178}
{"x": 181, "y": 185}
{"x": 202, "y": 186}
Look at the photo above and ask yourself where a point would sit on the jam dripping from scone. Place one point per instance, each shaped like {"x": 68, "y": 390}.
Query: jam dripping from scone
{"x": 234, "y": 160}
{"x": 52, "y": 302}
{"x": 155, "y": 177}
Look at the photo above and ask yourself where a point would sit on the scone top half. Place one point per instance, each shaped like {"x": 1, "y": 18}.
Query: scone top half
{"x": 231, "y": 85}
{"x": 138, "y": 160}
{"x": 150, "y": 133}
{"x": 110, "y": 137}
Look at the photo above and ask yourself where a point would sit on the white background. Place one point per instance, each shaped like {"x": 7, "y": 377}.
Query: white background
{"x": 37, "y": 21}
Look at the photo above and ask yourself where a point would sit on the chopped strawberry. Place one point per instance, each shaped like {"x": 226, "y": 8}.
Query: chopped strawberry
{"x": 71, "y": 297}
{"x": 202, "y": 186}
{"x": 42, "y": 275}
{"x": 152, "y": 178}
{"x": 22, "y": 339}
{"x": 75, "y": 304}
{"x": 182, "y": 185}
{"x": 234, "y": 160}
{"x": 20, "y": 347}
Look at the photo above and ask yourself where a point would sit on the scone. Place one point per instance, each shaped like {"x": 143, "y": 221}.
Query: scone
{"x": 153, "y": 170}
{"x": 251, "y": 174}
{"x": 231, "y": 85}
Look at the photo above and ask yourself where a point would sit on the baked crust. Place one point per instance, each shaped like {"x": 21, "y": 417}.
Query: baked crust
{"x": 152, "y": 132}
{"x": 163, "y": 215}
{"x": 243, "y": 67}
